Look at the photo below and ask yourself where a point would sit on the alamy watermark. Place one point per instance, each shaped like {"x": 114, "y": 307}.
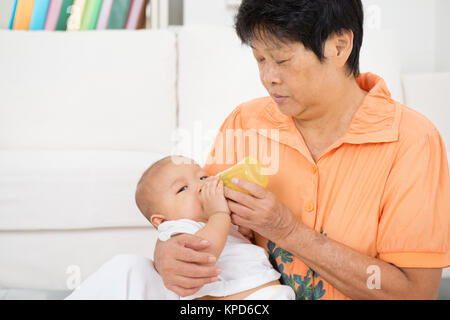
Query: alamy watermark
{"x": 230, "y": 146}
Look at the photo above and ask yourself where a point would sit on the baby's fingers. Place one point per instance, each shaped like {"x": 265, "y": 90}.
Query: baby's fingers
{"x": 220, "y": 187}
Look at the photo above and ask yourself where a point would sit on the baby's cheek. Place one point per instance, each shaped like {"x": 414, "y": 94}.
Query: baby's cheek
{"x": 193, "y": 207}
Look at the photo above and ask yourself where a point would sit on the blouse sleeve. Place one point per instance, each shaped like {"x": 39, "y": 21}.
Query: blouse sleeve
{"x": 413, "y": 228}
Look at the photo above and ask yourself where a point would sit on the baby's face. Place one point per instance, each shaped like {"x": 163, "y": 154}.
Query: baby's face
{"x": 177, "y": 189}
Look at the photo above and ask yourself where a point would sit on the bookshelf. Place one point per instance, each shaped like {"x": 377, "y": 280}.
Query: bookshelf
{"x": 157, "y": 14}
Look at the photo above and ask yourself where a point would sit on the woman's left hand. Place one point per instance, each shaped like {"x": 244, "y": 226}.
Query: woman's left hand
{"x": 260, "y": 211}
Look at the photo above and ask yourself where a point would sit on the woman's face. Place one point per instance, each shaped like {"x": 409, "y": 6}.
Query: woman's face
{"x": 294, "y": 77}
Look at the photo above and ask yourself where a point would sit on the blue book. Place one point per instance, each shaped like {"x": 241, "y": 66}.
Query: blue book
{"x": 39, "y": 14}
{"x": 13, "y": 13}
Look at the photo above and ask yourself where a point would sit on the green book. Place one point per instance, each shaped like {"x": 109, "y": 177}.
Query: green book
{"x": 119, "y": 14}
{"x": 64, "y": 15}
{"x": 90, "y": 16}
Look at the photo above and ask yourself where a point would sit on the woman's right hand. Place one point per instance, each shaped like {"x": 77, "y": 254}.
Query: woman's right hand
{"x": 182, "y": 266}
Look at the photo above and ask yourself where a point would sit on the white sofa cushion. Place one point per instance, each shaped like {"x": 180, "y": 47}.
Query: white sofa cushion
{"x": 428, "y": 94}
{"x": 87, "y": 90}
{"x": 216, "y": 74}
{"x": 57, "y": 190}
{"x": 52, "y": 260}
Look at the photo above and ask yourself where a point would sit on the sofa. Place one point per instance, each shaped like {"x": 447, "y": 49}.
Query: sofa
{"x": 83, "y": 114}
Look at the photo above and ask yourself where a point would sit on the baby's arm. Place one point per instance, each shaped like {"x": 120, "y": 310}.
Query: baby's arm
{"x": 216, "y": 207}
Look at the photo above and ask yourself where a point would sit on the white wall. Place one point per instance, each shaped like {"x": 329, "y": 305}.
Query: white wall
{"x": 413, "y": 22}
{"x": 443, "y": 35}
{"x": 198, "y": 12}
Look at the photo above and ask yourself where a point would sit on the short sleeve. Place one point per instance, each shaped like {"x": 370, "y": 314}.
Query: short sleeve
{"x": 168, "y": 229}
{"x": 223, "y": 153}
{"x": 413, "y": 228}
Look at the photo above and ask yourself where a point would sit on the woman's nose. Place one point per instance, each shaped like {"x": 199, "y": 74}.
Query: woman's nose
{"x": 270, "y": 77}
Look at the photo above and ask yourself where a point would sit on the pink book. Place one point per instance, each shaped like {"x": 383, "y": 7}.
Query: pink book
{"x": 52, "y": 15}
{"x": 135, "y": 13}
{"x": 103, "y": 17}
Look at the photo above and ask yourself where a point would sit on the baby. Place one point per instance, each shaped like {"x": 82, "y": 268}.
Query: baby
{"x": 177, "y": 196}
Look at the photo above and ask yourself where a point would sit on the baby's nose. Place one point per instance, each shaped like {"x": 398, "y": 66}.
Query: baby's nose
{"x": 200, "y": 187}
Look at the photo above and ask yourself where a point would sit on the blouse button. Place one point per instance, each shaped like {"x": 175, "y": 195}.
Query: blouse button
{"x": 313, "y": 169}
{"x": 309, "y": 207}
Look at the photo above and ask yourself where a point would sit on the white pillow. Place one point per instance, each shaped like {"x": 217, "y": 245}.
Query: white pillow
{"x": 47, "y": 190}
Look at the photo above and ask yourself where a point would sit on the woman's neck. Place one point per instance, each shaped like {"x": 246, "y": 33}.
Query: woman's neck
{"x": 335, "y": 115}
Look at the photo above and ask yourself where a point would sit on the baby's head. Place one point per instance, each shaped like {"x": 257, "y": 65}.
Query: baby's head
{"x": 170, "y": 189}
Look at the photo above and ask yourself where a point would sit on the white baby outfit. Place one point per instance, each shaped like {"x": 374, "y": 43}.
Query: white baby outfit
{"x": 244, "y": 266}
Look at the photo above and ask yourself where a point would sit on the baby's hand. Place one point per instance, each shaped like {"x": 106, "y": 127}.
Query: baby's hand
{"x": 213, "y": 198}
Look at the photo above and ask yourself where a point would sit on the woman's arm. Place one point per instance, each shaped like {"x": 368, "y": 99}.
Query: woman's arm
{"x": 351, "y": 272}
{"x": 344, "y": 268}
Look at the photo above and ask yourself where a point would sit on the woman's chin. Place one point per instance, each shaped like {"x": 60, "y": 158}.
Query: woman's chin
{"x": 289, "y": 109}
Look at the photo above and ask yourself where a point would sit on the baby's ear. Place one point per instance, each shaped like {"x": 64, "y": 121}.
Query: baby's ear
{"x": 157, "y": 219}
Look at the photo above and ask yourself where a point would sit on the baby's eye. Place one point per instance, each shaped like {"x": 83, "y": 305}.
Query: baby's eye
{"x": 204, "y": 178}
{"x": 182, "y": 189}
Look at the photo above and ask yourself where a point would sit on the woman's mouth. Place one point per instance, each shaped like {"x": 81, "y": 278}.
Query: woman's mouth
{"x": 279, "y": 99}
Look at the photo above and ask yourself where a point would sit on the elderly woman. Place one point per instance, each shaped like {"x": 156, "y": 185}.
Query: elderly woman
{"x": 359, "y": 206}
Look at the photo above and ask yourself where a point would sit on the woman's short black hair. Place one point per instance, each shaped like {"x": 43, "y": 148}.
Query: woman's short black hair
{"x": 310, "y": 22}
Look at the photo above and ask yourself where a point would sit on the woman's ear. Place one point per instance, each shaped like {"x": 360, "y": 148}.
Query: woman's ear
{"x": 157, "y": 219}
{"x": 339, "y": 47}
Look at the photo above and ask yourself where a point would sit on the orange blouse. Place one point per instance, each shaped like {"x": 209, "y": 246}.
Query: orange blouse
{"x": 382, "y": 189}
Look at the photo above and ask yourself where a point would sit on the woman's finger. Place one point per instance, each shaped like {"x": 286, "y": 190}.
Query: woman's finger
{"x": 246, "y": 232}
{"x": 240, "y": 221}
{"x": 240, "y": 210}
{"x": 189, "y": 283}
{"x": 255, "y": 190}
{"x": 240, "y": 197}
{"x": 192, "y": 270}
{"x": 190, "y": 246}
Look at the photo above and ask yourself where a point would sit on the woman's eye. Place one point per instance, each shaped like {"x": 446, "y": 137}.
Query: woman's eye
{"x": 182, "y": 189}
{"x": 204, "y": 178}
{"x": 281, "y": 62}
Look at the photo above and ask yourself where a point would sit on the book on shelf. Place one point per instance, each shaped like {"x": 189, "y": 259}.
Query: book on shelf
{"x": 64, "y": 15}
{"x": 39, "y": 14}
{"x": 103, "y": 17}
{"x": 136, "y": 15}
{"x": 76, "y": 15}
{"x": 119, "y": 14}
{"x": 13, "y": 13}
{"x": 90, "y": 16}
{"x": 23, "y": 13}
{"x": 52, "y": 15}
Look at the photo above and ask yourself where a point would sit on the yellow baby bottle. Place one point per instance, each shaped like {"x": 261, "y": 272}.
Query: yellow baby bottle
{"x": 248, "y": 169}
